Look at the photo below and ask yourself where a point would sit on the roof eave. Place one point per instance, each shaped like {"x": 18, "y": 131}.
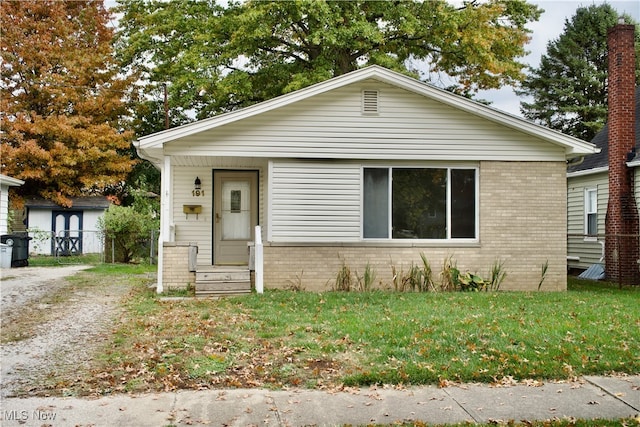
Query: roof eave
{"x": 152, "y": 154}
{"x": 10, "y": 182}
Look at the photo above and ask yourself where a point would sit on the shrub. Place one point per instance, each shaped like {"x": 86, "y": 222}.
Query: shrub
{"x": 129, "y": 228}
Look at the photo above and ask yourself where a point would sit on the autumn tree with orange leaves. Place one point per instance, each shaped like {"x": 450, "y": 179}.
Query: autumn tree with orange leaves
{"x": 62, "y": 100}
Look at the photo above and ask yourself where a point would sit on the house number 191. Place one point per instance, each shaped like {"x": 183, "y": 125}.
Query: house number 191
{"x": 197, "y": 193}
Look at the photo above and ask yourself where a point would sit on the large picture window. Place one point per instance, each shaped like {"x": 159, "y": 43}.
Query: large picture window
{"x": 419, "y": 203}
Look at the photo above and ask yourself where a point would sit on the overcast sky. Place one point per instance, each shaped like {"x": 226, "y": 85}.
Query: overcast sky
{"x": 548, "y": 28}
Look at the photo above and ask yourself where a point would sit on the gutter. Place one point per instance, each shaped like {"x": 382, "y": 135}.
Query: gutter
{"x": 156, "y": 161}
{"x": 588, "y": 172}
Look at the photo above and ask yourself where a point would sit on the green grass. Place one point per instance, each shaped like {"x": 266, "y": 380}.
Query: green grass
{"x": 53, "y": 261}
{"x": 284, "y": 338}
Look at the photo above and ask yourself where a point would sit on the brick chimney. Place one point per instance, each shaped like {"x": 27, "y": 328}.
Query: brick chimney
{"x": 622, "y": 228}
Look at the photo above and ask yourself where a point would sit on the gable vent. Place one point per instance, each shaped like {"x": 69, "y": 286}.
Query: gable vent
{"x": 370, "y": 101}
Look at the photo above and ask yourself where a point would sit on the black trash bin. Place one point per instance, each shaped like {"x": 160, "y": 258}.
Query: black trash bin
{"x": 19, "y": 243}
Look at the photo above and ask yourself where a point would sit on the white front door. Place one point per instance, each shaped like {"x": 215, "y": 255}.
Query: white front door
{"x": 235, "y": 201}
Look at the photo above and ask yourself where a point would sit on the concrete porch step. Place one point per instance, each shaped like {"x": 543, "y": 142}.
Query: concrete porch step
{"x": 212, "y": 281}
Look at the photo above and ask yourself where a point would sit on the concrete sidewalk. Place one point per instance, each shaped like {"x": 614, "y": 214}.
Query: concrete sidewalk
{"x": 589, "y": 398}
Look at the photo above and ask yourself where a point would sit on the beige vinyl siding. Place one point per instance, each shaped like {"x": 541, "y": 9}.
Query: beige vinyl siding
{"x": 193, "y": 228}
{"x": 331, "y": 125}
{"x": 314, "y": 202}
{"x": 198, "y": 228}
{"x": 589, "y": 251}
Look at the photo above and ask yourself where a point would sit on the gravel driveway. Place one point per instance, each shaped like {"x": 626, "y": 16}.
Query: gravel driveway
{"x": 66, "y": 340}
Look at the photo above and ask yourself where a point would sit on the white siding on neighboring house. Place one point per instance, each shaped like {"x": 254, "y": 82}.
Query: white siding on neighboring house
{"x": 314, "y": 202}
{"x": 5, "y": 183}
{"x": 332, "y": 125}
{"x": 585, "y": 251}
{"x": 4, "y": 208}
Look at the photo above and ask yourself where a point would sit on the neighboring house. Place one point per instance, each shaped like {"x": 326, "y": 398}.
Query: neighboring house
{"x": 588, "y": 195}
{"x": 371, "y": 167}
{"x": 604, "y": 188}
{"x": 56, "y": 230}
{"x": 5, "y": 183}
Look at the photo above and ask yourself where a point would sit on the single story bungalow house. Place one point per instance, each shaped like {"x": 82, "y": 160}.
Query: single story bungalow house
{"x": 368, "y": 168}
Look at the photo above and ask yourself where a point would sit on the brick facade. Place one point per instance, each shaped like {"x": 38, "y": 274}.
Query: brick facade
{"x": 621, "y": 225}
{"x": 175, "y": 266}
{"x": 522, "y": 221}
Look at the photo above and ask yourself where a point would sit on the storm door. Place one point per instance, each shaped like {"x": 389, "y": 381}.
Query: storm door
{"x": 235, "y": 203}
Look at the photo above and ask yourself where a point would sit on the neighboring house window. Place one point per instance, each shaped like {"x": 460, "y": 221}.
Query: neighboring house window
{"x": 419, "y": 203}
{"x": 591, "y": 212}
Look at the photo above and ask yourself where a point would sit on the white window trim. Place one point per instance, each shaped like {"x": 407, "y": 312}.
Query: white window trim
{"x": 585, "y": 217}
{"x": 448, "y": 167}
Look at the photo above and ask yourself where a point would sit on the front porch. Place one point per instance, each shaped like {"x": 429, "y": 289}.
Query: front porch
{"x": 180, "y": 269}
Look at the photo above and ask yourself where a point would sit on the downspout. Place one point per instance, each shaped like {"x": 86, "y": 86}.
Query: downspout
{"x": 165, "y": 217}
{"x": 578, "y": 162}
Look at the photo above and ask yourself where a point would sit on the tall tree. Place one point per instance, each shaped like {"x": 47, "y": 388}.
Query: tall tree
{"x": 218, "y": 58}
{"x": 569, "y": 88}
{"x": 61, "y": 100}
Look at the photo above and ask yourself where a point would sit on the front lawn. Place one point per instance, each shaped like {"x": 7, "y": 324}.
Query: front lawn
{"x": 334, "y": 339}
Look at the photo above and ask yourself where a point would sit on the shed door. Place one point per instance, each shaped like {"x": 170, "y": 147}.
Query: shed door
{"x": 67, "y": 226}
{"x": 235, "y": 201}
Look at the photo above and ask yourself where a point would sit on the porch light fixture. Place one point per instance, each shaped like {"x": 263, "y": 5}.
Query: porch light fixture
{"x": 197, "y": 191}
